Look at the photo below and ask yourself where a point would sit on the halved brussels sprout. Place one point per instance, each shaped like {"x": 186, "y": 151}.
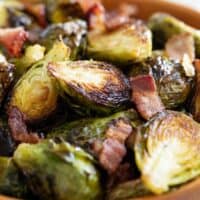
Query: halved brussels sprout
{"x": 72, "y": 32}
{"x": 97, "y": 86}
{"x": 165, "y": 26}
{"x": 6, "y": 76}
{"x": 32, "y": 55}
{"x": 167, "y": 151}
{"x": 100, "y": 136}
{"x": 58, "y": 171}
{"x": 84, "y": 132}
{"x": 12, "y": 182}
{"x": 128, "y": 190}
{"x": 127, "y": 44}
{"x": 172, "y": 83}
{"x": 35, "y": 94}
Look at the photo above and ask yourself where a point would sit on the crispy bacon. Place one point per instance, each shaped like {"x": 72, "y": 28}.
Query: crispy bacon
{"x": 18, "y": 127}
{"x": 13, "y": 40}
{"x": 112, "y": 150}
{"x": 38, "y": 11}
{"x": 179, "y": 45}
{"x": 145, "y": 96}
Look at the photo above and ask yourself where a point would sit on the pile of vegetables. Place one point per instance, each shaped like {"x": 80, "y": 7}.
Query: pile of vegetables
{"x": 96, "y": 105}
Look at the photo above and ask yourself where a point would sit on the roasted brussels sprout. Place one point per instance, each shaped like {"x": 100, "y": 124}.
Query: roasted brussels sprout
{"x": 58, "y": 171}
{"x": 36, "y": 88}
{"x": 100, "y": 136}
{"x": 84, "y": 132}
{"x": 172, "y": 83}
{"x": 165, "y": 26}
{"x": 6, "y": 76}
{"x": 97, "y": 86}
{"x": 128, "y": 190}
{"x": 167, "y": 151}
{"x": 127, "y": 44}
{"x": 32, "y": 55}
{"x": 72, "y": 32}
{"x": 12, "y": 182}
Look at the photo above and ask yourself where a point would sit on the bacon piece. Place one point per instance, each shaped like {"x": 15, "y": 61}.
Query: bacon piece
{"x": 112, "y": 150}
{"x": 38, "y": 11}
{"x": 179, "y": 45}
{"x": 145, "y": 96}
{"x": 96, "y": 17}
{"x": 18, "y": 127}
{"x": 13, "y": 40}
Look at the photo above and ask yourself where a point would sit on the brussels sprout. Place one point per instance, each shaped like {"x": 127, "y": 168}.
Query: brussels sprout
{"x": 127, "y": 44}
{"x": 63, "y": 10}
{"x": 102, "y": 137}
{"x": 172, "y": 83}
{"x": 32, "y": 54}
{"x": 167, "y": 151}
{"x": 84, "y": 132}
{"x": 128, "y": 190}
{"x": 58, "y": 171}
{"x": 165, "y": 26}
{"x": 6, "y": 76}
{"x": 12, "y": 182}
{"x": 35, "y": 94}
{"x": 97, "y": 86}
{"x": 73, "y": 34}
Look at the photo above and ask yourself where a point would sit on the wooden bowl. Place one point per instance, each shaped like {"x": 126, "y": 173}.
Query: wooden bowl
{"x": 145, "y": 8}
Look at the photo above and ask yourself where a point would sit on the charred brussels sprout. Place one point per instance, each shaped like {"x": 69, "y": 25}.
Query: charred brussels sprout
{"x": 167, "y": 151}
{"x": 127, "y": 44}
{"x": 84, "y": 132}
{"x": 32, "y": 54}
{"x": 128, "y": 190}
{"x": 35, "y": 94}
{"x": 165, "y": 26}
{"x": 6, "y": 76}
{"x": 58, "y": 171}
{"x": 172, "y": 83}
{"x": 12, "y": 182}
{"x": 97, "y": 86}
{"x": 73, "y": 34}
